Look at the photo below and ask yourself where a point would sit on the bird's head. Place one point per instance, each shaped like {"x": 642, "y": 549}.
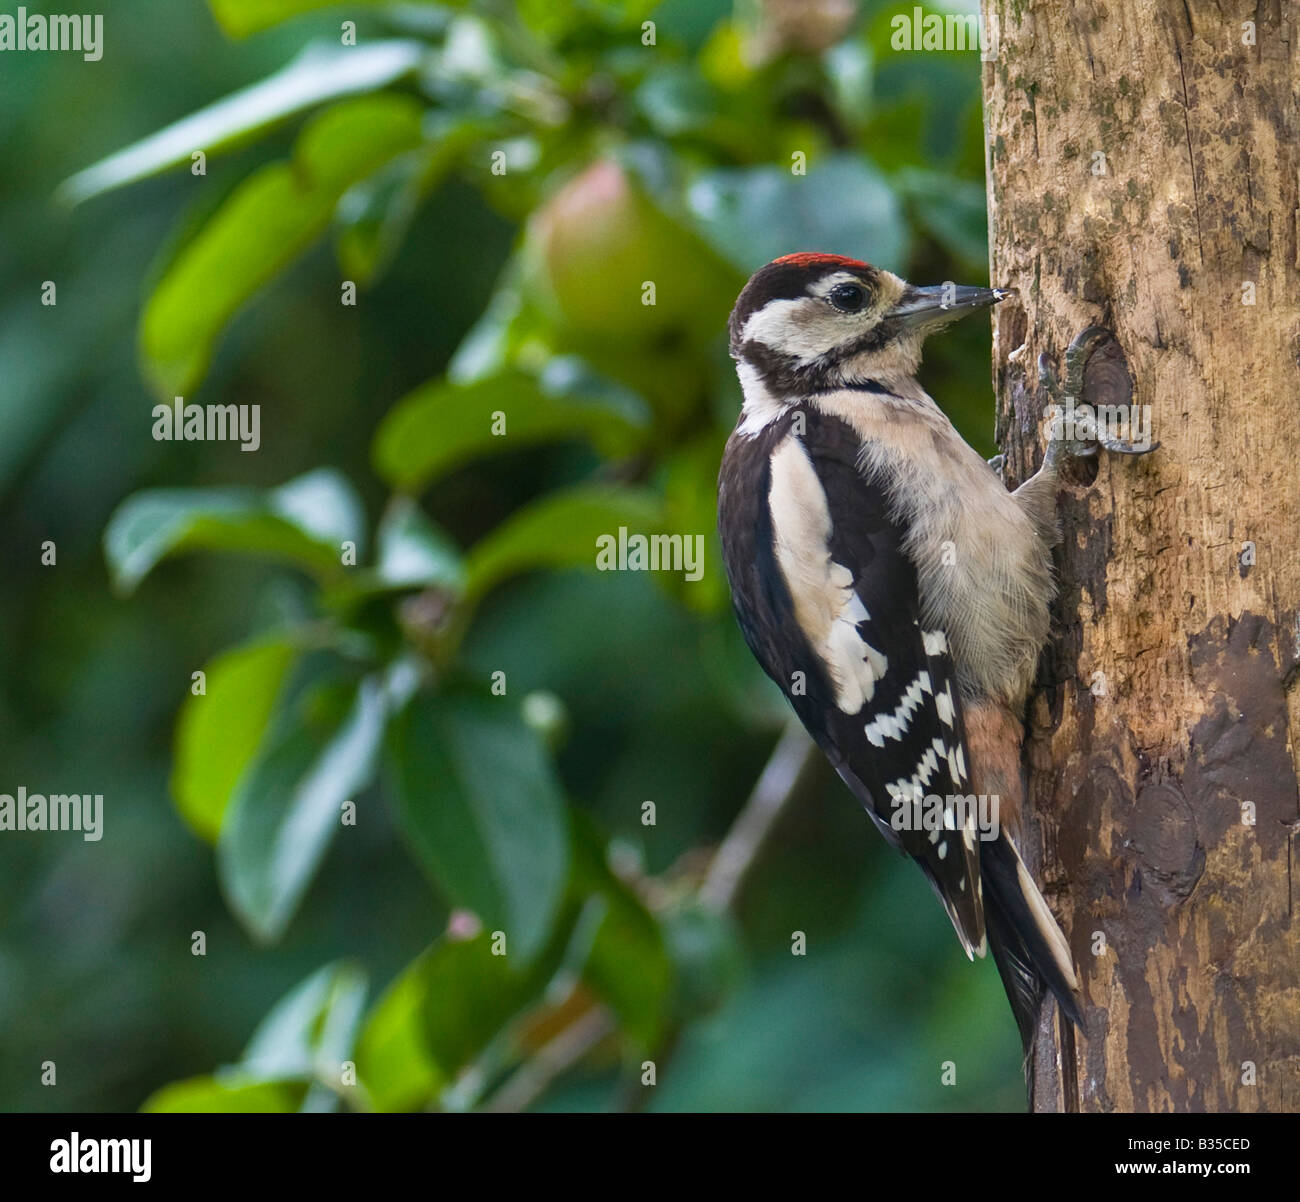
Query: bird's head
{"x": 809, "y": 322}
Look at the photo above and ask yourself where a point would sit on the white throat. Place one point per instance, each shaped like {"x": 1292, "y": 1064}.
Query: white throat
{"x": 761, "y": 407}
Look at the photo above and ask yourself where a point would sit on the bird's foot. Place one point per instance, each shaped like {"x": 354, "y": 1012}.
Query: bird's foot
{"x": 1074, "y": 429}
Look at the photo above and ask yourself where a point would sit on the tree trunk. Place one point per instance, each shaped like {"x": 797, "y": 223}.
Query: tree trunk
{"x": 1143, "y": 176}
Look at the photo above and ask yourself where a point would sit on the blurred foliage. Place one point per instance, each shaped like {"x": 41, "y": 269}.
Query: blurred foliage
{"x": 418, "y": 764}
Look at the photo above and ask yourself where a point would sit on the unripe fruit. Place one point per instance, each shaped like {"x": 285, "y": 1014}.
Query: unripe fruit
{"x": 596, "y": 245}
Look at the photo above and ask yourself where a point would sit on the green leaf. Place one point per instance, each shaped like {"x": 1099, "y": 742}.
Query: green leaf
{"x": 707, "y": 957}
{"x": 444, "y": 1011}
{"x": 263, "y": 226}
{"x": 850, "y": 70}
{"x": 952, "y": 211}
{"x": 628, "y": 965}
{"x": 303, "y": 522}
{"x": 676, "y": 100}
{"x": 239, "y": 18}
{"x": 559, "y": 530}
{"x": 443, "y": 425}
{"x": 311, "y": 1031}
{"x": 470, "y": 995}
{"x": 374, "y": 215}
{"x": 479, "y": 800}
{"x": 843, "y": 205}
{"x": 321, "y": 72}
{"x": 413, "y": 551}
{"x": 394, "y": 1063}
{"x": 287, "y": 806}
{"x": 324, "y": 505}
{"x": 354, "y": 138}
{"x": 219, "y": 731}
{"x": 691, "y": 506}
{"x": 553, "y": 21}
{"x": 513, "y": 328}
{"x": 450, "y": 1006}
{"x": 225, "y": 1094}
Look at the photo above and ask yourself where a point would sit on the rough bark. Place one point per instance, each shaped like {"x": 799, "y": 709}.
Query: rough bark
{"x": 1165, "y": 729}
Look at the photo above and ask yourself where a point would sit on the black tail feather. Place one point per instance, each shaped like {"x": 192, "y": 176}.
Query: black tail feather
{"x": 1027, "y": 962}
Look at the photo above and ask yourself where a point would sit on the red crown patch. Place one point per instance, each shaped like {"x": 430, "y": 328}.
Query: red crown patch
{"x": 808, "y": 259}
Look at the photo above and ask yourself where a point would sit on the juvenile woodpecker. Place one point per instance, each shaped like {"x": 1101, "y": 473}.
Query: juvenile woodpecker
{"x": 893, "y": 588}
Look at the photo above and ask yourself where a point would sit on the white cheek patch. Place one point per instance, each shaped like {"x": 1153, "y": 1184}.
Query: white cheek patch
{"x": 804, "y": 328}
{"x": 826, "y": 607}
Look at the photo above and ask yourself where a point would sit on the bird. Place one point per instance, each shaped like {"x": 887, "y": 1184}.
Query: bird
{"x": 896, "y": 591}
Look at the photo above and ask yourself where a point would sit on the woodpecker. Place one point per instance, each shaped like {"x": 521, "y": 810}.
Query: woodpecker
{"x": 895, "y": 590}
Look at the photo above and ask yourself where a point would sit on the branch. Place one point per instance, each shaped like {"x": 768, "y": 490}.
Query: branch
{"x": 740, "y": 850}
{"x": 553, "y": 1060}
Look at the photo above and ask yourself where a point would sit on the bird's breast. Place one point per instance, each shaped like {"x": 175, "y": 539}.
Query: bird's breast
{"x": 983, "y": 573}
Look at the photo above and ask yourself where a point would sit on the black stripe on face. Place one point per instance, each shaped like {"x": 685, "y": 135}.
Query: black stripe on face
{"x": 880, "y": 335}
{"x": 785, "y": 376}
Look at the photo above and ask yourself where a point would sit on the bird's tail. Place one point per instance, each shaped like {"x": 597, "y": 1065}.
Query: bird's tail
{"x": 1028, "y": 947}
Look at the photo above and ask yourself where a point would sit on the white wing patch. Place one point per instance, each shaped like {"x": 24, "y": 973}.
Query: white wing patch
{"x": 957, "y": 763}
{"x": 935, "y": 642}
{"x": 894, "y": 726}
{"x": 826, "y": 606}
{"x": 943, "y": 705}
{"x": 914, "y": 789}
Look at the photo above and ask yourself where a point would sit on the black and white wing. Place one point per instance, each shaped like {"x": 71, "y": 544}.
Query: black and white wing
{"x": 828, "y": 602}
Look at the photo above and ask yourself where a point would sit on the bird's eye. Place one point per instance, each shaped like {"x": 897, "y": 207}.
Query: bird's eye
{"x": 848, "y": 298}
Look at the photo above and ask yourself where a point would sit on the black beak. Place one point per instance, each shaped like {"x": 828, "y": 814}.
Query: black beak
{"x": 925, "y": 308}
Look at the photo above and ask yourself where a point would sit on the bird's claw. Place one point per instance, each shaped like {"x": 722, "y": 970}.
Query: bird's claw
{"x": 1047, "y": 375}
{"x": 1061, "y": 449}
{"x": 1081, "y": 349}
{"x": 1077, "y": 354}
{"x": 1119, "y": 447}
